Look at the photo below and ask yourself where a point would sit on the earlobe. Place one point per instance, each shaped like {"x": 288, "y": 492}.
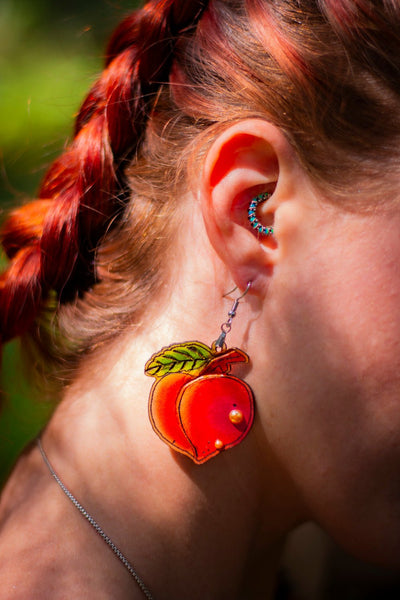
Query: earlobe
{"x": 243, "y": 162}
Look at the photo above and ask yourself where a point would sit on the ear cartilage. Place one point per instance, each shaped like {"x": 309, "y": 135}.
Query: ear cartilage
{"x": 254, "y": 222}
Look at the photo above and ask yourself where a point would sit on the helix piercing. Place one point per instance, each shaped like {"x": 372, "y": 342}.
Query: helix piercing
{"x": 255, "y": 223}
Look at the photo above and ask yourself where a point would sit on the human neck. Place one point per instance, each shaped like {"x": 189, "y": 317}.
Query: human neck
{"x": 191, "y": 531}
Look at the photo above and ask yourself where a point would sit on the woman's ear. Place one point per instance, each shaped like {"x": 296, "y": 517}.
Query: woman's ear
{"x": 248, "y": 158}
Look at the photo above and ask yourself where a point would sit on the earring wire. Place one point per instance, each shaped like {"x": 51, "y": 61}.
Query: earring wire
{"x": 219, "y": 344}
{"x": 235, "y": 288}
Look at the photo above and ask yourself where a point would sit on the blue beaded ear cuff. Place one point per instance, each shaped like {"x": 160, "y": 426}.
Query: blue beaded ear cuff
{"x": 255, "y": 223}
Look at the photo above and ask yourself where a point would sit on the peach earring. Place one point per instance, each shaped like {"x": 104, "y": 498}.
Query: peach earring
{"x": 196, "y": 406}
{"x": 255, "y": 223}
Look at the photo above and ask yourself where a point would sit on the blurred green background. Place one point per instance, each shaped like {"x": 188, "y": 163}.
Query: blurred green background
{"x": 50, "y": 53}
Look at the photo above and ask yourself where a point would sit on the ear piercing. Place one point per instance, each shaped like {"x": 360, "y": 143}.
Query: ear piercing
{"x": 255, "y": 223}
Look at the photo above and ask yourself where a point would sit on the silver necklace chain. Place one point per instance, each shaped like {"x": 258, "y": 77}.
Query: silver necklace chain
{"x": 96, "y": 526}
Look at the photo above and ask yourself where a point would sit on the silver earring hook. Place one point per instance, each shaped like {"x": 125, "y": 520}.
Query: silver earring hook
{"x": 219, "y": 344}
{"x": 235, "y": 288}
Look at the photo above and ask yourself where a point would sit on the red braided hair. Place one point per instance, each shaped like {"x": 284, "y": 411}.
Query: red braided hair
{"x": 51, "y": 242}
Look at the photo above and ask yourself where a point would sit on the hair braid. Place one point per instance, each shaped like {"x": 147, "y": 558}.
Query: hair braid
{"x": 51, "y": 242}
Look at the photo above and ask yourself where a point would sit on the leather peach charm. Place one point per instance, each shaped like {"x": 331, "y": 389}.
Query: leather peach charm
{"x": 196, "y": 406}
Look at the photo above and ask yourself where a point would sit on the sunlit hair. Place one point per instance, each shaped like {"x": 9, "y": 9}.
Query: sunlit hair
{"x": 87, "y": 256}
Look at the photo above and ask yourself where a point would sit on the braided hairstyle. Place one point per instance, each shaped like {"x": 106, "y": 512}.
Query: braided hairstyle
{"x": 86, "y": 256}
{"x": 51, "y": 242}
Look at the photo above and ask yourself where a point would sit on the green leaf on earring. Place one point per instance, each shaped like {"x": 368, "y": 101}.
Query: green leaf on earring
{"x": 189, "y": 357}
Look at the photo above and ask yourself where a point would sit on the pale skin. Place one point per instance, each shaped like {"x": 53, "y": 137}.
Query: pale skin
{"x": 322, "y": 327}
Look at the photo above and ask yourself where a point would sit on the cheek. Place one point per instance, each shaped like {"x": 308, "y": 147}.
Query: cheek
{"x": 335, "y": 309}
{"x": 335, "y": 328}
